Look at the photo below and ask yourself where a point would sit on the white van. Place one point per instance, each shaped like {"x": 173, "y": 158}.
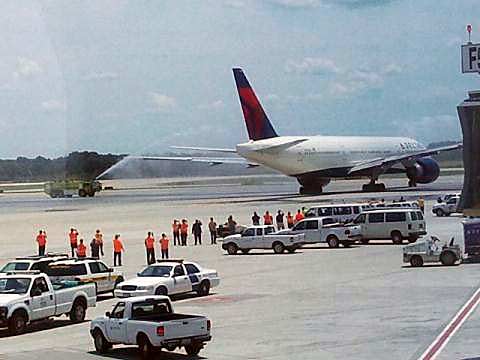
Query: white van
{"x": 339, "y": 212}
{"x": 395, "y": 224}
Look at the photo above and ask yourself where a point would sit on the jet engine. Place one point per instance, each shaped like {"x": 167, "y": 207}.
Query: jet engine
{"x": 424, "y": 171}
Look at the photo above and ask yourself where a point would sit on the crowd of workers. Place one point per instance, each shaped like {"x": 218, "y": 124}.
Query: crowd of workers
{"x": 180, "y": 232}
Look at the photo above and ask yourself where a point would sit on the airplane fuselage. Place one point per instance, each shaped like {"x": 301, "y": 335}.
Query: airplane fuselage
{"x": 298, "y": 155}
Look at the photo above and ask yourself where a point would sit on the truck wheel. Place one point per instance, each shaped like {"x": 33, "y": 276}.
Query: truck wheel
{"x": 232, "y": 249}
{"x": 193, "y": 349}
{"x": 364, "y": 241}
{"x": 332, "y": 241}
{"x": 291, "y": 250}
{"x": 82, "y": 193}
{"x": 278, "y": 248}
{"x": 416, "y": 261}
{"x": 101, "y": 344}
{"x": 245, "y": 251}
{"x": 204, "y": 288}
{"x": 448, "y": 258}
{"x": 144, "y": 346}
{"x": 161, "y": 290}
{"x": 396, "y": 237}
{"x": 77, "y": 313}
{"x": 17, "y": 323}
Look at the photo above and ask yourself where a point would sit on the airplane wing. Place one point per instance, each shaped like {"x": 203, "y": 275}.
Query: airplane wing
{"x": 389, "y": 161}
{"x": 208, "y": 160}
{"x": 233, "y": 151}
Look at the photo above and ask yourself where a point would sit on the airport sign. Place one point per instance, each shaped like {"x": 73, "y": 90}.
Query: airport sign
{"x": 470, "y": 58}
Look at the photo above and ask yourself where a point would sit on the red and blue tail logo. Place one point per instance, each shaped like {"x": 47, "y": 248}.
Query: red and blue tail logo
{"x": 258, "y": 125}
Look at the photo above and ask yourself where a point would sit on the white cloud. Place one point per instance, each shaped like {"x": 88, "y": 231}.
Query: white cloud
{"x": 272, "y": 98}
{"x": 101, "y": 76}
{"x": 316, "y": 66}
{"x": 215, "y": 105}
{"x": 162, "y": 102}
{"x": 432, "y": 128}
{"x": 235, "y": 3}
{"x": 27, "y": 68}
{"x": 361, "y": 80}
{"x": 297, "y": 3}
{"x": 54, "y": 105}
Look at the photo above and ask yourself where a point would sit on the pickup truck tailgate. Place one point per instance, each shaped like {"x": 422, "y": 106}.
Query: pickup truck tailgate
{"x": 182, "y": 328}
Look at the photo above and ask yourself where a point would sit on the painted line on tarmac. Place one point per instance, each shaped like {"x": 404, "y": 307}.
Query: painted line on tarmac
{"x": 441, "y": 341}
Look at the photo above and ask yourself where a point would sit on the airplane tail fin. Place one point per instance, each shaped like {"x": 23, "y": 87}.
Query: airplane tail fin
{"x": 258, "y": 125}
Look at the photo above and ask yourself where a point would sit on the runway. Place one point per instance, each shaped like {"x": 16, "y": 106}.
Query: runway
{"x": 319, "y": 303}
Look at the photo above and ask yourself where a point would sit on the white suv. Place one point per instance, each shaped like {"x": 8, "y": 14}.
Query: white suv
{"x": 86, "y": 270}
{"x": 32, "y": 263}
{"x": 445, "y": 208}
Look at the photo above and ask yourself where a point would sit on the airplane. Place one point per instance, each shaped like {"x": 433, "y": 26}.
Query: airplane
{"x": 315, "y": 160}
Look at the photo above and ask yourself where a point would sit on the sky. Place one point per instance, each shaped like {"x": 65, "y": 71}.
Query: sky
{"x": 136, "y": 77}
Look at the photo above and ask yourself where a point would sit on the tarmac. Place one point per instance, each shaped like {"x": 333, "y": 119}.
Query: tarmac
{"x": 318, "y": 303}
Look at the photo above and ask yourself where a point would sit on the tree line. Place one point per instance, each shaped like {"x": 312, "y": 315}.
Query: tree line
{"x": 83, "y": 165}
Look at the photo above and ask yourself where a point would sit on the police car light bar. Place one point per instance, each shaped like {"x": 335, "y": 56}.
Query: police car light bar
{"x": 171, "y": 260}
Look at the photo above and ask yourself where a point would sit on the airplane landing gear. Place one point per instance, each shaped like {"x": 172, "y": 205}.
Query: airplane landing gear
{"x": 372, "y": 186}
{"x": 310, "y": 191}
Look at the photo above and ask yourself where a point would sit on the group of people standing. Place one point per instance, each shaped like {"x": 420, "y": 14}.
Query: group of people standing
{"x": 150, "y": 247}
{"x": 180, "y": 232}
{"x": 279, "y": 218}
{"x": 79, "y": 249}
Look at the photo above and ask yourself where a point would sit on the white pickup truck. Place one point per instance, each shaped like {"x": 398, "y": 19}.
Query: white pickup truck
{"x": 30, "y": 296}
{"x": 325, "y": 230}
{"x": 150, "y": 323}
{"x": 262, "y": 237}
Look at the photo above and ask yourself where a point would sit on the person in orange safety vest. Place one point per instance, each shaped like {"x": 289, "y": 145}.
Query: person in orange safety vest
{"x": 164, "y": 246}
{"x": 42, "y": 242}
{"x": 117, "y": 250}
{"x": 73, "y": 235}
{"x": 81, "y": 250}
{"x": 150, "y": 248}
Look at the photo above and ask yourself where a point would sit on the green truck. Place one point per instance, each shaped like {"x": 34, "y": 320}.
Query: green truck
{"x": 69, "y": 188}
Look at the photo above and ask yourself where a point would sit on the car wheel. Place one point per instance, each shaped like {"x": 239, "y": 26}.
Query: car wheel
{"x": 396, "y": 237}
{"x": 416, "y": 261}
{"x": 365, "y": 241}
{"x": 245, "y": 251}
{"x": 144, "y": 346}
{"x": 101, "y": 344}
{"x": 77, "y": 313}
{"x": 291, "y": 250}
{"x": 193, "y": 349}
{"x": 204, "y": 288}
{"x": 440, "y": 212}
{"x": 17, "y": 323}
{"x": 332, "y": 241}
{"x": 232, "y": 249}
{"x": 278, "y": 248}
{"x": 448, "y": 258}
{"x": 161, "y": 290}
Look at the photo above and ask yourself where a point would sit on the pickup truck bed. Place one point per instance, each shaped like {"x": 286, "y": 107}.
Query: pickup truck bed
{"x": 166, "y": 317}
